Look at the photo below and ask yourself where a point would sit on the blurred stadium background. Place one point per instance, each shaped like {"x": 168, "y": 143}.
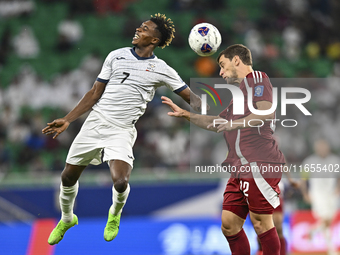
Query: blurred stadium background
{"x": 50, "y": 54}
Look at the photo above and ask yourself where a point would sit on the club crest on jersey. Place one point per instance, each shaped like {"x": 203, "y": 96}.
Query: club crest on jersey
{"x": 151, "y": 67}
{"x": 259, "y": 91}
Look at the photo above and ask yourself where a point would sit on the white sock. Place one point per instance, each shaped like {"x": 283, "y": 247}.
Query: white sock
{"x": 118, "y": 200}
{"x": 66, "y": 199}
{"x": 328, "y": 236}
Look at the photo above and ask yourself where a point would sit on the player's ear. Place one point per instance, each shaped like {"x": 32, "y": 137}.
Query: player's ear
{"x": 155, "y": 40}
{"x": 236, "y": 60}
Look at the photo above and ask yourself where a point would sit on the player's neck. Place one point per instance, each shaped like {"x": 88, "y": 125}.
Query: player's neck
{"x": 144, "y": 52}
{"x": 245, "y": 71}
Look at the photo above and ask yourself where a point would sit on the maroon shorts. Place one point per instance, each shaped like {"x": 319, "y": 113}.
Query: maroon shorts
{"x": 252, "y": 190}
{"x": 279, "y": 209}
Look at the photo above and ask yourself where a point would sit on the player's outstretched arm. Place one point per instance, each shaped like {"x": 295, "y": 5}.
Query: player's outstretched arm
{"x": 89, "y": 99}
{"x": 201, "y": 121}
{"x": 192, "y": 99}
{"x": 244, "y": 122}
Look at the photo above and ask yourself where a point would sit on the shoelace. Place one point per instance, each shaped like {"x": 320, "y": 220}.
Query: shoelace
{"x": 62, "y": 227}
{"x": 112, "y": 224}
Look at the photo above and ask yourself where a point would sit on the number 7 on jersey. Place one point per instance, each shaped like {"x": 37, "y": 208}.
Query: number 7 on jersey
{"x": 127, "y": 75}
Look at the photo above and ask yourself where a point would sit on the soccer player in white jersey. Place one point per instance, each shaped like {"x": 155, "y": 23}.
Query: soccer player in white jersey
{"x": 126, "y": 83}
{"x": 323, "y": 189}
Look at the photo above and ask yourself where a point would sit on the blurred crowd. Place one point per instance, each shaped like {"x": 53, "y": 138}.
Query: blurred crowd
{"x": 288, "y": 39}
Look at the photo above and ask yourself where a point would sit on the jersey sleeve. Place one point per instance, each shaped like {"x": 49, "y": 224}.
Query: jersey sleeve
{"x": 224, "y": 113}
{"x": 105, "y": 73}
{"x": 173, "y": 81}
{"x": 262, "y": 88}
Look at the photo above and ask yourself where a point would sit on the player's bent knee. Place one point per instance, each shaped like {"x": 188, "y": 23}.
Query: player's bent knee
{"x": 261, "y": 226}
{"x": 225, "y": 231}
{"x": 261, "y": 222}
{"x": 231, "y": 223}
{"x": 71, "y": 174}
{"x": 229, "y": 229}
{"x": 258, "y": 227}
{"x": 68, "y": 180}
{"x": 120, "y": 184}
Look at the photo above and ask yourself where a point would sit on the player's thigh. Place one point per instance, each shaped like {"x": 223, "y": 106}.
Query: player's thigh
{"x": 278, "y": 220}
{"x": 278, "y": 214}
{"x": 231, "y": 223}
{"x": 120, "y": 170}
{"x": 261, "y": 222}
{"x": 120, "y": 173}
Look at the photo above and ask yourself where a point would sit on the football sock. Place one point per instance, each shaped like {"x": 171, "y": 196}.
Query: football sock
{"x": 239, "y": 244}
{"x": 283, "y": 246}
{"x": 328, "y": 237}
{"x": 119, "y": 200}
{"x": 270, "y": 242}
{"x": 66, "y": 199}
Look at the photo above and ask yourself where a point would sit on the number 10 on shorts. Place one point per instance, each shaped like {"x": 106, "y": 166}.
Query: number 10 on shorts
{"x": 244, "y": 187}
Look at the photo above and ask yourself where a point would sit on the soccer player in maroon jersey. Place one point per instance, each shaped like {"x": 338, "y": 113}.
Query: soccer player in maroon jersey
{"x": 247, "y": 191}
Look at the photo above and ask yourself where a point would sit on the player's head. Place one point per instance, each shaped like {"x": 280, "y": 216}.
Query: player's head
{"x": 166, "y": 29}
{"x": 321, "y": 148}
{"x": 158, "y": 31}
{"x": 235, "y": 61}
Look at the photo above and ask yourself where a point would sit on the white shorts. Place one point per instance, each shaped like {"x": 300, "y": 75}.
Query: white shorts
{"x": 324, "y": 206}
{"x": 99, "y": 141}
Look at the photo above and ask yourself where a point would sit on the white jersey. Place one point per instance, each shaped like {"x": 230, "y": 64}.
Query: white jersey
{"x": 322, "y": 185}
{"x": 322, "y": 182}
{"x": 131, "y": 84}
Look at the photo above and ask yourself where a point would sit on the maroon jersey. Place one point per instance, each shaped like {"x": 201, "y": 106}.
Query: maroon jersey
{"x": 254, "y": 144}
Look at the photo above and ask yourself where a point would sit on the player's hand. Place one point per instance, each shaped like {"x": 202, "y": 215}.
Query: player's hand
{"x": 221, "y": 126}
{"x": 177, "y": 111}
{"x": 56, "y": 127}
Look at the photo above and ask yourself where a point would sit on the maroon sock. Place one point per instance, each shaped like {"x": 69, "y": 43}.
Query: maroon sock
{"x": 283, "y": 246}
{"x": 239, "y": 244}
{"x": 270, "y": 242}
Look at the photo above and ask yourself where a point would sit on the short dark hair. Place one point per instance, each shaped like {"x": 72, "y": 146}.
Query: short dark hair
{"x": 165, "y": 27}
{"x": 237, "y": 50}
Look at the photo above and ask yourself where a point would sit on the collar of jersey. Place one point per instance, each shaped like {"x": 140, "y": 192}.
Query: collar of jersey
{"x": 140, "y": 58}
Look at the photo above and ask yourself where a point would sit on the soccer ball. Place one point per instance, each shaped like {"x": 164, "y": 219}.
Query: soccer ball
{"x": 204, "y": 39}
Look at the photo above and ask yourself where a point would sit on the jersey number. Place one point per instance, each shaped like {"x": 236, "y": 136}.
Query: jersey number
{"x": 127, "y": 75}
{"x": 244, "y": 186}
